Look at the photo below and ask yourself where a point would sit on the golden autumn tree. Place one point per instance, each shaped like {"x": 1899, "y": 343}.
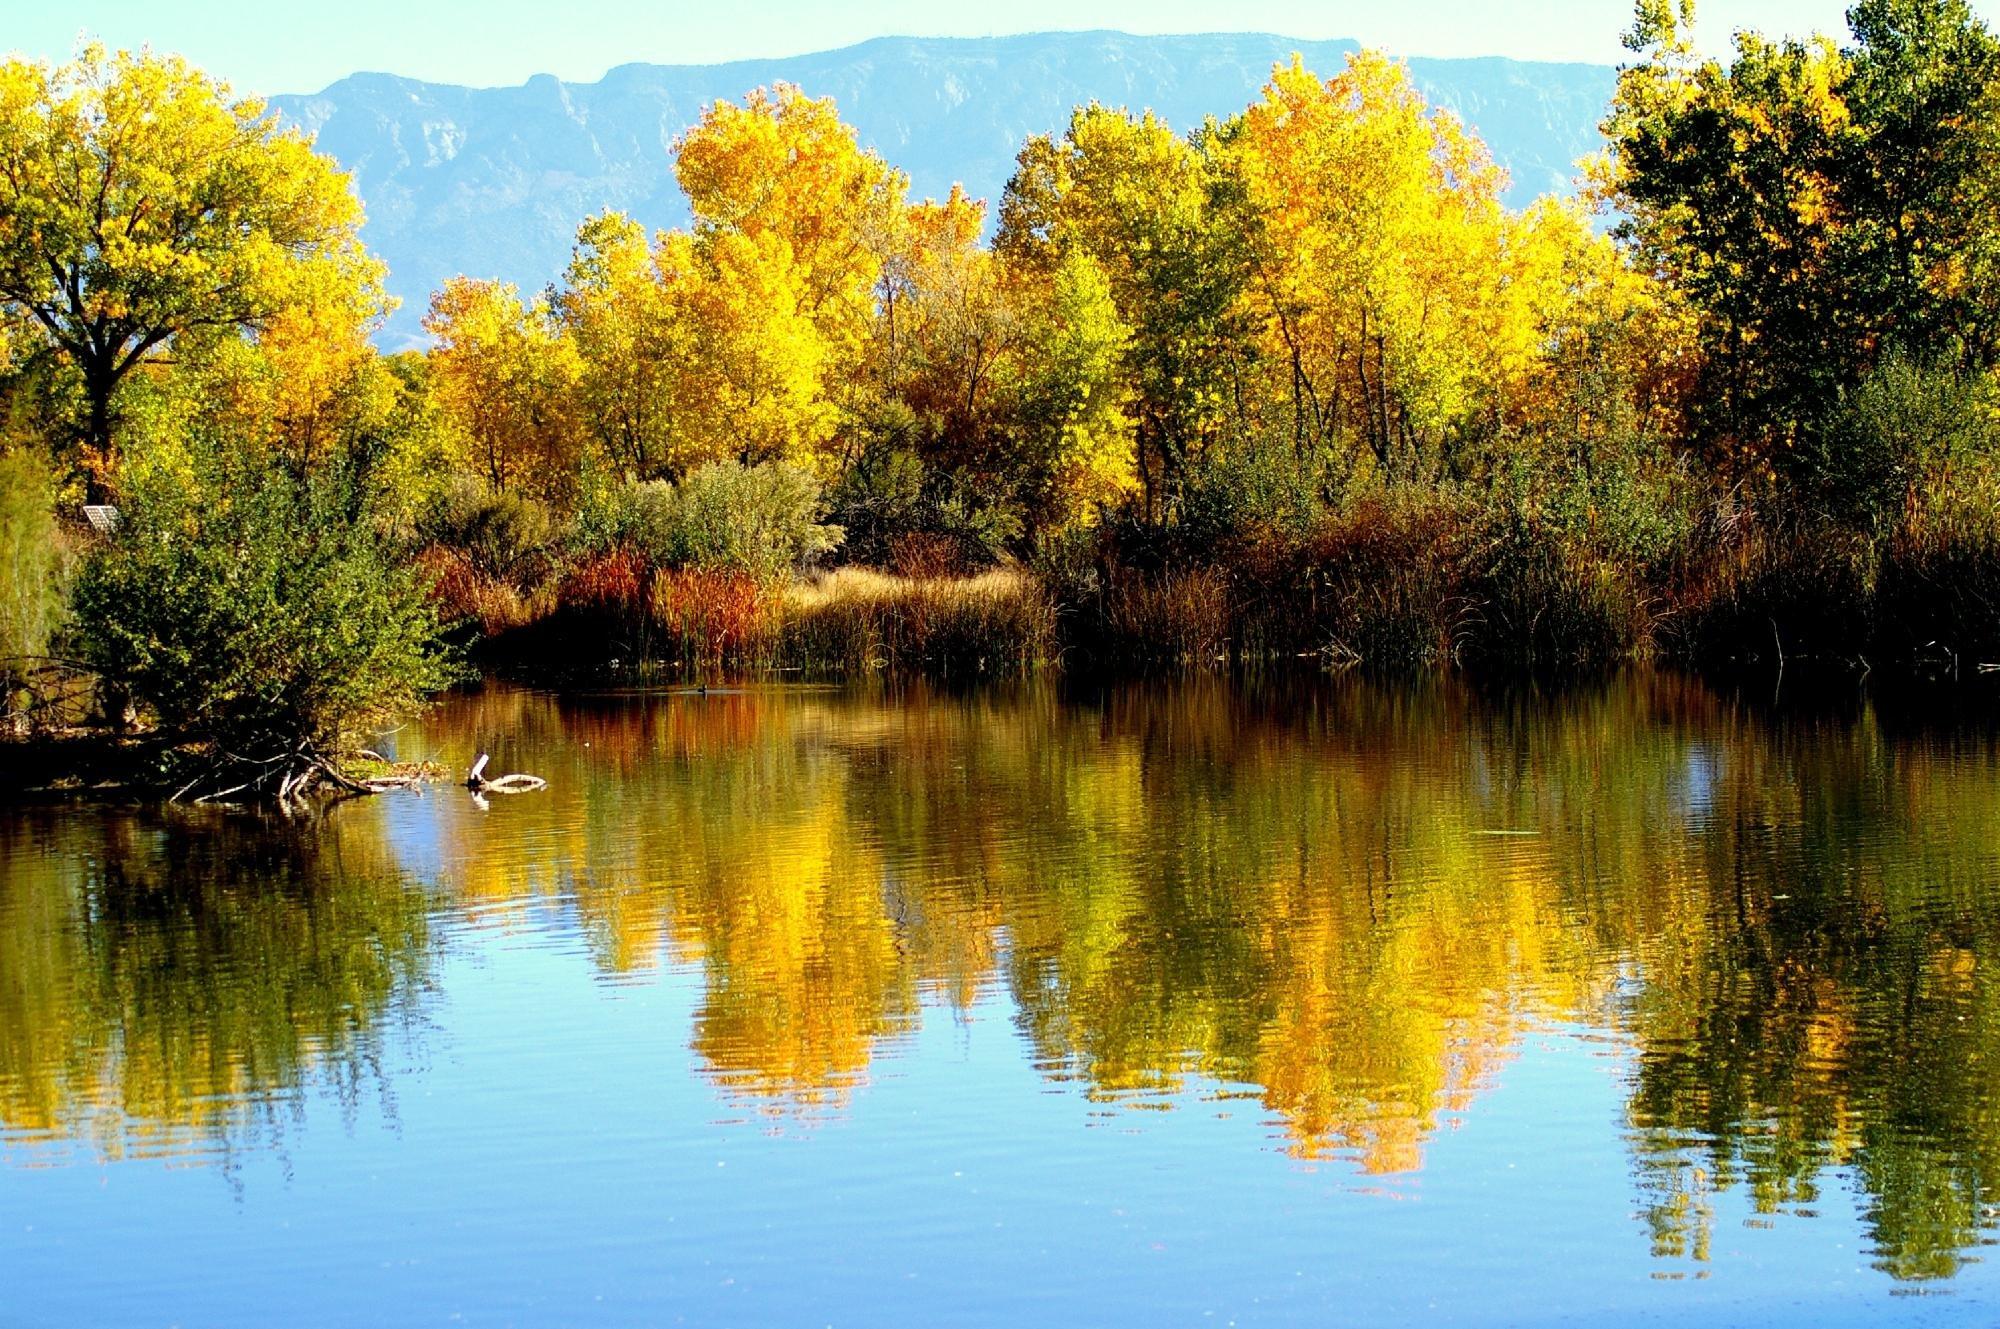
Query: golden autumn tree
{"x": 1377, "y": 246}
{"x": 1139, "y": 202}
{"x": 690, "y": 349}
{"x": 735, "y": 340}
{"x": 782, "y": 166}
{"x": 141, "y": 202}
{"x": 301, "y": 386}
{"x": 612, "y": 306}
{"x": 1070, "y": 411}
{"x": 503, "y": 377}
{"x": 1591, "y": 352}
{"x": 945, "y": 325}
{"x": 746, "y": 361}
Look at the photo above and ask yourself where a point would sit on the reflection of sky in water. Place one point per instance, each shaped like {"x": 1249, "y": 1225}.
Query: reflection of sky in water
{"x": 415, "y": 831}
{"x": 629, "y": 1071}
{"x": 1698, "y": 781}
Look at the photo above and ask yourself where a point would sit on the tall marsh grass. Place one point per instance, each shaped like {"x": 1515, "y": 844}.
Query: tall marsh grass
{"x": 1175, "y": 616}
{"x": 1939, "y": 579}
{"x": 37, "y": 564}
{"x": 997, "y": 623}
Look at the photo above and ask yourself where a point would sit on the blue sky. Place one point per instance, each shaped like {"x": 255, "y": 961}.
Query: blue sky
{"x": 268, "y": 48}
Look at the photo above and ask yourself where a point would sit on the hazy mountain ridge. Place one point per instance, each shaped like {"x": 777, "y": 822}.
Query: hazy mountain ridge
{"x": 493, "y": 181}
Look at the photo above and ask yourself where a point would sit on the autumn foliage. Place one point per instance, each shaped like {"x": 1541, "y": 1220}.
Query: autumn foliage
{"x": 1294, "y": 381}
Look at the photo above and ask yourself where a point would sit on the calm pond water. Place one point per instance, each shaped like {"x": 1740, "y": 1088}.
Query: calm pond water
{"x": 1192, "y": 1003}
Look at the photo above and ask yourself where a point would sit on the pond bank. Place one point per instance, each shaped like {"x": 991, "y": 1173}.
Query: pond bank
{"x": 82, "y": 763}
{"x": 148, "y": 765}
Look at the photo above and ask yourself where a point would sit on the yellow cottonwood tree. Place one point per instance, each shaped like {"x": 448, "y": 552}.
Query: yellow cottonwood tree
{"x": 1070, "y": 407}
{"x": 1377, "y": 239}
{"x": 782, "y": 165}
{"x": 744, "y": 359}
{"x": 504, "y": 380}
{"x": 693, "y": 349}
{"x": 306, "y": 381}
{"x": 1588, "y": 347}
{"x": 1139, "y": 201}
{"x": 141, "y": 202}
{"x": 612, "y": 306}
{"x": 945, "y": 326}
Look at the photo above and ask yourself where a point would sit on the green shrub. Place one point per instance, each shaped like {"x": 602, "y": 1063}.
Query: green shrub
{"x": 1255, "y": 491}
{"x": 1546, "y": 597}
{"x": 723, "y": 517}
{"x": 1393, "y": 582}
{"x": 504, "y": 535}
{"x": 897, "y": 511}
{"x": 257, "y": 611}
{"x": 877, "y": 500}
{"x": 1570, "y": 562}
{"x": 1121, "y": 603}
{"x": 1905, "y": 421}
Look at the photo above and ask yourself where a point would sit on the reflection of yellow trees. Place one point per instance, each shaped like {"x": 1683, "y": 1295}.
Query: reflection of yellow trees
{"x": 1350, "y": 900}
{"x": 709, "y": 829}
{"x": 1177, "y": 886}
{"x": 164, "y": 980}
{"x": 1309, "y": 906}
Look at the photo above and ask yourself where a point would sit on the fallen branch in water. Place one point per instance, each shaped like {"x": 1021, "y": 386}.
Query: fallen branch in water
{"x": 288, "y": 776}
{"x": 476, "y": 781}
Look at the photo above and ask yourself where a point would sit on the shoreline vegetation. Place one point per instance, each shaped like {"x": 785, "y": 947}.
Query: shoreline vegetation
{"x": 1293, "y": 384}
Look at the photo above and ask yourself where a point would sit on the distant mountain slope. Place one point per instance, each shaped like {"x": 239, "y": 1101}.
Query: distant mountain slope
{"x": 493, "y": 181}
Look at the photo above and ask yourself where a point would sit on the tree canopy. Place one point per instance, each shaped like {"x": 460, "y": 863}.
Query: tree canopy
{"x": 141, "y": 203}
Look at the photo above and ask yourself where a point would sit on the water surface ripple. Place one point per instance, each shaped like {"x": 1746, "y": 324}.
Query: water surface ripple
{"x": 1197, "y": 1002}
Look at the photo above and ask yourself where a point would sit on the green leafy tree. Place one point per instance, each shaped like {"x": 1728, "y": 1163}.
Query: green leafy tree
{"x": 1820, "y": 206}
{"x": 1922, "y": 175}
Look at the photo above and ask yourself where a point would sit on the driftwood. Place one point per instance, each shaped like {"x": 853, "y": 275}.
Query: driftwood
{"x": 476, "y": 781}
{"x": 286, "y": 778}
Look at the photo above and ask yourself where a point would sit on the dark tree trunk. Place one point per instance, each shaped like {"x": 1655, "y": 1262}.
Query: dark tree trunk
{"x": 99, "y": 382}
